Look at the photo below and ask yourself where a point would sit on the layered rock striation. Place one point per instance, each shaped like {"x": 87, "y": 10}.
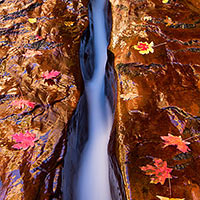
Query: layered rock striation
{"x": 152, "y": 83}
{"x": 40, "y": 88}
{"x": 156, "y": 48}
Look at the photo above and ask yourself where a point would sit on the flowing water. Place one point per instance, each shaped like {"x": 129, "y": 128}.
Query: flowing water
{"x": 93, "y": 182}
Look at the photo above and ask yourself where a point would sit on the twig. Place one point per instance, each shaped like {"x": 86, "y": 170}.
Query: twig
{"x": 160, "y": 44}
{"x": 170, "y": 188}
{"x": 191, "y": 137}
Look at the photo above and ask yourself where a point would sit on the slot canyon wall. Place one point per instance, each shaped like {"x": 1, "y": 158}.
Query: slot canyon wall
{"x": 153, "y": 56}
{"x": 155, "y": 137}
{"x": 40, "y": 88}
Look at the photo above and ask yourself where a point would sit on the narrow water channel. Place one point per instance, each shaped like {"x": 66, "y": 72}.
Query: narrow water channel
{"x": 93, "y": 181}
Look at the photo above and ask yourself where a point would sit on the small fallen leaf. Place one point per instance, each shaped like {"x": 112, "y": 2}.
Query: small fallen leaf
{"x": 165, "y": 1}
{"x": 144, "y": 47}
{"x": 38, "y": 37}
{"x": 32, "y": 20}
{"x": 159, "y": 172}
{"x": 147, "y": 18}
{"x": 166, "y": 198}
{"x": 169, "y": 21}
{"x": 20, "y": 103}
{"x": 24, "y": 140}
{"x": 50, "y": 75}
{"x": 68, "y": 23}
{"x": 176, "y": 141}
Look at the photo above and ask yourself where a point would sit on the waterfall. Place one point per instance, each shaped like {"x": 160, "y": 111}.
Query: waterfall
{"x": 93, "y": 180}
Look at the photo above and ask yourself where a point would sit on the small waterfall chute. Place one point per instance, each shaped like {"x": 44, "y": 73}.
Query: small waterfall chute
{"x": 93, "y": 178}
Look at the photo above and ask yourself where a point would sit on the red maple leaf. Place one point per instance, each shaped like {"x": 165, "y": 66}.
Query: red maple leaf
{"x": 144, "y": 47}
{"x": 159, "y": 171}
{"x": 39, "y": 37}
{"x": 176, "y": 140}
{"x": 20, "y": 103}
{"x": 50, "y": 75}
{"x": 24, "y": 140}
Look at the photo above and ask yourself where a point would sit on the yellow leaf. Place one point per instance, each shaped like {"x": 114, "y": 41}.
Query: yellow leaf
{"x": 165, "y": 1}
{"x": 166, "y": 198}
{"x": 32, "y": 20}
{"x": 68, "y": 23}
{"x": 147, "y": 18}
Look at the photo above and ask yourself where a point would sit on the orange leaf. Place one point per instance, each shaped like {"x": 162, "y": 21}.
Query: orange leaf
{"x": 176, "y": 141}
{"x": 169, "y": 21}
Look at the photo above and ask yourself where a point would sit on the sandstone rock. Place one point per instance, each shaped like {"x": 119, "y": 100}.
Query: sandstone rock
{"x": 38, "y": 36}
{"x": 158, "y": 93}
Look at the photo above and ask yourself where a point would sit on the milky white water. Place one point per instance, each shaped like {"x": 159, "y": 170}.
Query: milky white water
{"x": 93, "y": 182}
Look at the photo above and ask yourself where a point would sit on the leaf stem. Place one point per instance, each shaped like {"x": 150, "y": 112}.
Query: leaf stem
{"x": 159, "y": 44}
{"x": 170, "y": 188}
{"x": 20, "y": 91}
{"x": 192, "y": 137}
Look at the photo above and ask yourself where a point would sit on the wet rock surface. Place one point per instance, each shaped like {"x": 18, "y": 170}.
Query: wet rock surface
{"x": 40, "y": 87}
{"x": 158, "y": 94}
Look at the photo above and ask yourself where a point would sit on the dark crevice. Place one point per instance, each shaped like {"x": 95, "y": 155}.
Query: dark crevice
{"x": 87, "y": 49}
{"x": 115, "y": 175}
{"x": 77, "y": 137}
{"x": 176, "y": 25}
{"x": 157, "y": 30}
{"x": 22, "y": 12}
{"x": 2, "y": 1}
{"x": 182, "y": 112}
